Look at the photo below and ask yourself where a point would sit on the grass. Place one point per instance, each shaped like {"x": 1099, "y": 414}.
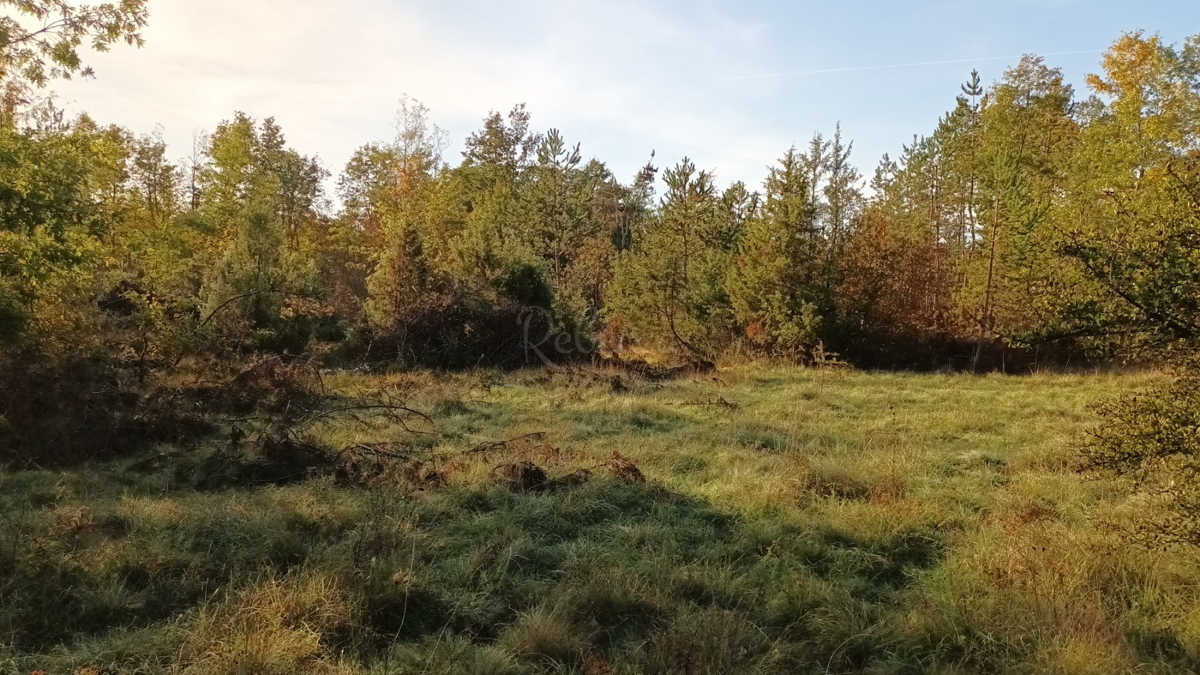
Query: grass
{"x": 793, "y": 520}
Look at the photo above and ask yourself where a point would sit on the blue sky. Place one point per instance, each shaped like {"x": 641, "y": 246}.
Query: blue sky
{"x": 730, "y": 84}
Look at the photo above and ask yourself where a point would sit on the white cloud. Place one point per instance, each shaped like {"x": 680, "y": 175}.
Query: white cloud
{"x": 621, "y": 76}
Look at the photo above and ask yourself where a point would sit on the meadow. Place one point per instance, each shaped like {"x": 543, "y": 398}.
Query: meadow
{"x": 758, "y": 519}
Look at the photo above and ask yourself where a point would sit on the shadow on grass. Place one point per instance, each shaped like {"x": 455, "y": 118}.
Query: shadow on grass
{"x": 632, "y": 575}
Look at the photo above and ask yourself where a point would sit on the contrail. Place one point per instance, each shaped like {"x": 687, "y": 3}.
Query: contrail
{"x": 855, "y": 69}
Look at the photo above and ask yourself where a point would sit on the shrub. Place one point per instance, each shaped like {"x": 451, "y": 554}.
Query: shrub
{"x": 62, "y": 410}
{"x": 1151, "y": 442}
{"x": 459, "y": 328}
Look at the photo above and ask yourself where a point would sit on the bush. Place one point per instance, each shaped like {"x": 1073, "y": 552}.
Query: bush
{"x": 12, "y": 318}
{"x": 1151, "y": 442}
{"x": 67, "y": 410}
{"x": 459, "y": 329}
{"x": 71, "y": 408}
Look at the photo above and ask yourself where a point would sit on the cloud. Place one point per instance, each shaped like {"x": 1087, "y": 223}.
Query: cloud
{"x": 622, "y": 76}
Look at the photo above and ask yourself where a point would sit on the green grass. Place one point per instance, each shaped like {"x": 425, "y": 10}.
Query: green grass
{"x": 793, "y": 521}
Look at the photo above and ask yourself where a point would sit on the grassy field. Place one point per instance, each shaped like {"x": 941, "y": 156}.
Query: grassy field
{"x": 791, "y": 520}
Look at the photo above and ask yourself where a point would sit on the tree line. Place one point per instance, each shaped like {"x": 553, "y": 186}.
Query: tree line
{"x": 1030, "y": 223}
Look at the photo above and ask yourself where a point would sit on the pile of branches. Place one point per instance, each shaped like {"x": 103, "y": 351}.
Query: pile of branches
{"x": 287, "y": 402}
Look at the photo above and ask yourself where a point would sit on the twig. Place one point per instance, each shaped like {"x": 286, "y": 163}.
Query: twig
{"x": 374, "y": 450}
{"x": 489, "y": 446}
{"x": 391, "y": 409}
{"x": 242, "y": 296}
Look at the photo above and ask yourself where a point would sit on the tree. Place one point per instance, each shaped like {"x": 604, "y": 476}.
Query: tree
{"x": 841, "y": 191}
{"x": 843, "y": 202}
{"x": 634, "y": 207}
{"x": 621, "y": 214}
{"x": 40, "y": 41}
{"x": 668, "y": 289}
{"x": 1131, "y": 220}
{"x": 776, "y": 288}
{"x": 557, "y": 197}
{"x": 1027, "y": 128}
{"x": 38, "y": 53}
{"x": 47, "y": 225}
{"x": 394, "y": 201}
{"x": 486, "y": 186}
{"x": 737, "y": 209}
{"x": 260, "y": 207}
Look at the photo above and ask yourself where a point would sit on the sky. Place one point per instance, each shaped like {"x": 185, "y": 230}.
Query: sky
{"x": 730, "y": 84}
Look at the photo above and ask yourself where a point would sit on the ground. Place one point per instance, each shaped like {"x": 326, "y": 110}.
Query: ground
{"x": 758, "y": 519}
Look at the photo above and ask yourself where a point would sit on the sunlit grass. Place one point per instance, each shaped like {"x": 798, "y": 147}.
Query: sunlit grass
{"x": 794, "y": 521}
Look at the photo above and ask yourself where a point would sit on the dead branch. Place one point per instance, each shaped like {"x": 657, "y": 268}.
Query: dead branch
{"x": 489, "y": 446}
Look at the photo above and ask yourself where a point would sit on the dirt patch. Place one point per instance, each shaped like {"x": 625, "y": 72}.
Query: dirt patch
{"x": 526, "y": 476}
{"x": 887, "y": 490}
{"x": 617, "y": 385}
{"x": 654, "y": 372}
{"x": 265, "y": 460}
{"x": 573, "y": 479}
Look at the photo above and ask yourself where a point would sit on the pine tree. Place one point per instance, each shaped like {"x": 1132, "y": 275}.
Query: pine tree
{"x": 260, "y": 207}
{"x": 843, "y": 202}
{"x": 1026, "y": 129}
{"x": 668, "y": 289}
{"x": 775, "y": 285}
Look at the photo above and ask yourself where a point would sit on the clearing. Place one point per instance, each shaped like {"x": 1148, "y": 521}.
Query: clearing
{"x": 757, "y": 519}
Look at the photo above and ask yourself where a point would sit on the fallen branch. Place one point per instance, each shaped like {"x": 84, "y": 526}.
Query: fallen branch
{"x": 489, "y": 446}
{"x": 362, "y": 448}
{"x": 397, "y": 412}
